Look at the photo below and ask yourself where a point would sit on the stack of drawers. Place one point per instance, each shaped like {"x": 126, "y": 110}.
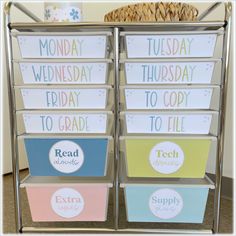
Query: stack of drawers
{"x": 170, "y": 96}
{"x": 65, "y": 123}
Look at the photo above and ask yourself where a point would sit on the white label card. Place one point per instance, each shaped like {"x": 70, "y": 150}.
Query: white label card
{"x": 151, "y": 99}
{"x": 64, "y": 98}
{"x": 57, "y": 46}
{"x": 65, "y": 123}
{"x": 170, "y": 46}
{"x": 166, "y": 157}
{"x": 169, "y": 124}
{"x": 67, "y": 203}
{"x": 64, "y": 73}
{"x": 66, "y": 156}
{"x": 169, "y": 72}
{"x": 166, "y": 203}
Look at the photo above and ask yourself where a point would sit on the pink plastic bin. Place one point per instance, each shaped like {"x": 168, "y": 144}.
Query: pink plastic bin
{"x": 70, "y": 202}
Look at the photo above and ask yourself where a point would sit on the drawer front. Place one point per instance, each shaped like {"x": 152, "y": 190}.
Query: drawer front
{"x": 170, "y": 45}
{"x": 170, "y": 123}
{"x": 66, "y": 98}
{"x": 66, "y": 122}
{"x": 68, "y": 202}
{"x": 173, "y": 72}
{"x": 64, "y": 72}
{"x": 171, "y": 98}
{"x": 67, "y": 156}
{"x": 168, "y": 157}
{"x": 165, "y": 204}
{"x": 63, "y": 46}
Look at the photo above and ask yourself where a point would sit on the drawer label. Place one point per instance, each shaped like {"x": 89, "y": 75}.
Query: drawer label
{"x": 168, "y": 98}
{"x": 169, "y": 72}
{"x": 66, "y": 156}
{"x": 64, "y": 98}
{"x": 166, "y": 203}
{"x": 63, "y": 73}
{"x": 57, "y": 46}
{"x": 65, "y": 123}
{"x": 67, "y": 202}
{"x": 166, "y": 157}
{"x": 171, "y": 123}
{"x": 169, "y": 46}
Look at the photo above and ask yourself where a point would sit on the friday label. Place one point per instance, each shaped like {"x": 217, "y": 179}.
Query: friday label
{"x": 65, "y": 123}
{"x": 171, "y": 124}
{"x": 64, "y": 98}
{"x": 164, "y": 46}
{"x": 168, "y": 98}
{"x": 64, "y": 73}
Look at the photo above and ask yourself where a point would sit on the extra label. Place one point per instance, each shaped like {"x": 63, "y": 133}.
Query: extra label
{"x": 64, "y": 73}
{"x": 166, "y": 203}
{"x": 174, "y": 123}
{"x": 67, "y": 203}
{"x": 166, "y": 157}
{"x": 66, "y": 156}
{"x": 64, "y": 98}
{"x": 65, "y": 123}
{"x": 150, "y": 99}
{"x": 169, "y": 72}
{"x": 170, "y": 46}
{"x": 56, "y": 46}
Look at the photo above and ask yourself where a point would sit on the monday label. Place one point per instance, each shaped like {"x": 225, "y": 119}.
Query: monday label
{"x": 64, "y": 73}
{"x": 150, "y": 99}
{"x": 65, "y": 123}
{"x": 165, "y": 46}
{"x": 64, "y": 98}
{"x": 169, "y": 73}
{"x": 170, "y": 124}
{"x": 57, "y": 46}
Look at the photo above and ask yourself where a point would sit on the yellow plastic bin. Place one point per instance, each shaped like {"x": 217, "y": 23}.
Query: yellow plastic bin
{"x": 168, "y": 156}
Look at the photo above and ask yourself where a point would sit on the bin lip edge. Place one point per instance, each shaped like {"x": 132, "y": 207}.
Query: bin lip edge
{"x": 164, "y": 60}
{"x": 158, "y": 182}
{"x": 168, "y": 136}
{"x": 63, "y": 60}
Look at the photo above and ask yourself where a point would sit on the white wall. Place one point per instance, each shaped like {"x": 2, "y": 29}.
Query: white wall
{"x": 95, "y": 12}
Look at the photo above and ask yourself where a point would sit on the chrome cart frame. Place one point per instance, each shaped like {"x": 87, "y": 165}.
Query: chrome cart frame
{"x": 115, "y": 28}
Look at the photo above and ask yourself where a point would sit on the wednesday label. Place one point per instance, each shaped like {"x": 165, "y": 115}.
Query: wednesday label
{"x": 64, "y": 73}
{"x": 165, "y": 46}
{"x": 64, "y": 98}
{"x": 56, "y": 46}
{"x": 170, "y": 124}
{"x": 65, "y": 123}
{"x": 169, "y": 73}
{"x": 168, "y": 98}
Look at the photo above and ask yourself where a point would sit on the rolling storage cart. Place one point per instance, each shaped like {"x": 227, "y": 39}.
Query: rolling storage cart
{"x": 136, "y": 108}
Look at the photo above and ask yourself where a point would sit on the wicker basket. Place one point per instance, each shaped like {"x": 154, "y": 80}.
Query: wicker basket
{"x": 153, "y": 12}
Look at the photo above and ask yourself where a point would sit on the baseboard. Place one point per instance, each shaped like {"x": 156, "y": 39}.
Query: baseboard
{"x": 227, "y": 186}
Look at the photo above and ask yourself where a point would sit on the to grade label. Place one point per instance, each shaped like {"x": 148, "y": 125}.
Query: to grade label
{"x": 166, "y": 203}
{"x": 196, "y": 98}
{"x": 67, "y": 202}
{"x": 66, "y": 156}
{"x": 166, "y": 157}
{"x": 65, "y": 123}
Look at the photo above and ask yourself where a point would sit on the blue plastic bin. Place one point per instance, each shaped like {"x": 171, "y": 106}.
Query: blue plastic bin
{"x": 67, "y": 156}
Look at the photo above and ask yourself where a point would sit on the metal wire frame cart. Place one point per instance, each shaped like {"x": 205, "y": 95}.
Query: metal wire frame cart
{"x": 115, "y": 28}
